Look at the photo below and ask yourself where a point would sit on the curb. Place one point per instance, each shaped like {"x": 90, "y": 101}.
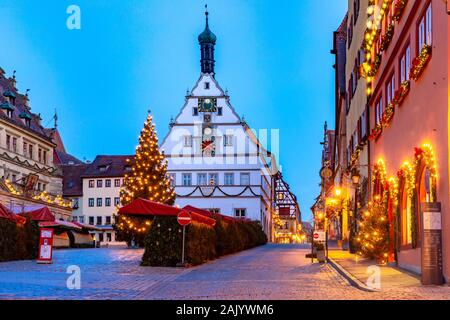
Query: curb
{"x": 355, "y": 282}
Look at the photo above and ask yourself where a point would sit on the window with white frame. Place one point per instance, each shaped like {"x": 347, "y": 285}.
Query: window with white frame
{"x": 390, "y": 89}
{"x": 187, "y": 141}
{"x": 202, "y": 179}
{"x": 240, "y": 213}
{"x": 91, "y": 202}
{"x": 117, "y": 183}
{"x": 107, "y": 202}
{"x": 229, "y": 179}
{"x": 187, "y": 179}
{"x": 405, "y": 64}
{"x": 245, "y": 179}
{"x": 116, "y": 201}
{"x": 379, "y": 111}
{"x": 425, "y": 29}
{"x": 228, "y": 140}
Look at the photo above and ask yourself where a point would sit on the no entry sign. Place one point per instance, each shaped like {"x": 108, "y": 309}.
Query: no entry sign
{"x": 184, "y": 218}
{"x": 319, "y": 236}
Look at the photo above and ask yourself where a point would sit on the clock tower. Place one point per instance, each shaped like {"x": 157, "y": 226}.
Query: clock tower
{"x": 215, "y": 160}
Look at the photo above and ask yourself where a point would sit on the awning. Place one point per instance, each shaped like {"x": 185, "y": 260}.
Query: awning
{"x": 142, "y": 207}
{"x": 59, "y": 224}
{"x": 8, "y": 214}
{"x": 86, "y": 226}
{"x": 208, "y": 214}
{"x": 42, "y": 214}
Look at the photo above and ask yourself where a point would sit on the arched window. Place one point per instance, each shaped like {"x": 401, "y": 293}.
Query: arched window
{"x": 405, "y": 217}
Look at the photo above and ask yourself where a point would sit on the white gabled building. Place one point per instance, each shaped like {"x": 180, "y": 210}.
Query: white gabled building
{"x": 216, "y": 161}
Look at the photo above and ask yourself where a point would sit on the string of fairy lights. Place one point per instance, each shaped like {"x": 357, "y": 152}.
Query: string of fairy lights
{"x": 374, "y": 227}
{"x": 148, "y": 179}
{"x": 376, "y": 16}
{"x": 42, "y": 196}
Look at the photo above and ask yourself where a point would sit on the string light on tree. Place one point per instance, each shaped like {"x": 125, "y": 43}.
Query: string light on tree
{"x": 148, "y": 179}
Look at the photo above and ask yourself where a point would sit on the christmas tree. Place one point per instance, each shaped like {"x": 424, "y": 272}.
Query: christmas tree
{"x": 148, "y": 179}
{"x": 373, "y": 236}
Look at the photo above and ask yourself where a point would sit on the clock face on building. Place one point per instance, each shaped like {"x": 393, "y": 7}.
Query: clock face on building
{"x": 207, "y": 131}
{"x": 207, "y": 104}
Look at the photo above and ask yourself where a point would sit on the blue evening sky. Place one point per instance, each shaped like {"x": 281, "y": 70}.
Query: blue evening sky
{"x": 134, "y": 55}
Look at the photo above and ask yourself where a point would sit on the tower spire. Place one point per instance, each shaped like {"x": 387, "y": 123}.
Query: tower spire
{"x": 207, "y": 41}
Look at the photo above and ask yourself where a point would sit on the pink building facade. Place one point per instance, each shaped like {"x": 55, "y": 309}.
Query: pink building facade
{"x": 407, "y": 78}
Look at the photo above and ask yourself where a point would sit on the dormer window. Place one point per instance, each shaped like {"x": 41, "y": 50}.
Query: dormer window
{"x": 207, "y": 85}
{"x": 8, "y": 108}
{"x": 10, "y": 96}
{"x": 103, "y": 168}
{"x": 26, "y": 118}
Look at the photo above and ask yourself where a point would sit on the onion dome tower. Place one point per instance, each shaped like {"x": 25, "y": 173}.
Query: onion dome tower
{"x": 207, "y": 41}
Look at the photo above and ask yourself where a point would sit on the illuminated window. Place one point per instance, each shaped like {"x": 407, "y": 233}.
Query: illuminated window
{"x": 406, "y": 219}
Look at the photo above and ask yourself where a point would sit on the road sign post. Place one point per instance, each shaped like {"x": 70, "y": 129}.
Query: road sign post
{"x": 184, "y": 219}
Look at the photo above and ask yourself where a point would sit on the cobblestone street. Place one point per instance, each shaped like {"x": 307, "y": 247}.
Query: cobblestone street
{"x": 270, "y": 272}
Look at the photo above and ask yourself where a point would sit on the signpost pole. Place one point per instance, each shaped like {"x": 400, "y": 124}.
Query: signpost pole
{"x": 184, "y": 219}
{"x": 184, "y": 238}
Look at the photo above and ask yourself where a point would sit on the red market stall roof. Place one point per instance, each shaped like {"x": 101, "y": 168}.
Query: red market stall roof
{"x": 207, "y": 213}
{"x": 8, "y": 214}
{"x": 150, "y": 208}
{"x": 42, "y": 214}
{"x": 86, "y": 226}
{"x": 59, "y": 223}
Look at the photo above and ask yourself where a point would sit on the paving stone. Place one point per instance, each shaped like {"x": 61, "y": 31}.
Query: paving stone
{"x": 265, "y": 273}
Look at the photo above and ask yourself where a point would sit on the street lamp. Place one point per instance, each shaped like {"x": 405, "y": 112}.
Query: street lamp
{"x": 355, "y": 180}
{"x": 338, "y": 192}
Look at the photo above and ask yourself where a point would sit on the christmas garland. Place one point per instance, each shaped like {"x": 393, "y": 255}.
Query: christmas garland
{"x": 388, "y": 115}
{"x": 376, "y": 132}
{"x": 419, "y": 63}
{"x": 387, "y": 37}
{"x": 402, "y": 92}
{"x": 388, "y": 190}
{"x": 375, "y": 66}
{"x": 220, "y": 189}
{"x": 399, "y": 8}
